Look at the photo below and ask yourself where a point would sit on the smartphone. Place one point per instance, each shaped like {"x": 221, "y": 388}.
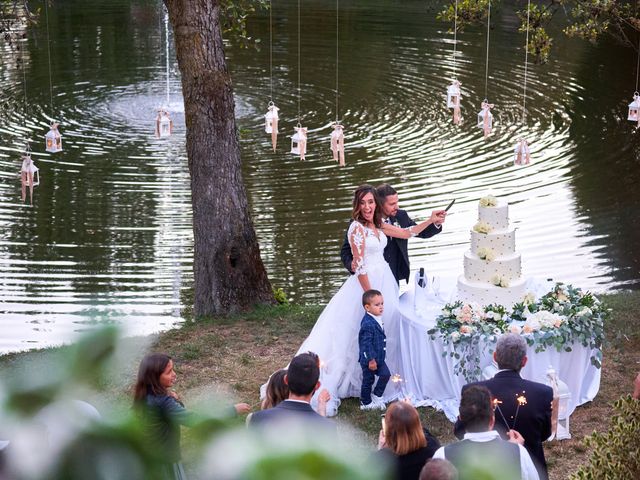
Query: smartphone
{"x": 421, "y": 277}
{"x": 450, "y": 205}
{"x": 384, "y": 428}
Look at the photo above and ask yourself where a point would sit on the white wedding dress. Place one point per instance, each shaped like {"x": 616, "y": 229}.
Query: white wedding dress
{"x": 334, "y": 337}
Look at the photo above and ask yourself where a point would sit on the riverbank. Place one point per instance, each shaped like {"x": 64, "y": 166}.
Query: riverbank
{"x": 234, "y": 356}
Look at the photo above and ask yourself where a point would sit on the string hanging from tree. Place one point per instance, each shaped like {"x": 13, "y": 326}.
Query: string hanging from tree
{"x": 271, "y": 117}
{"x": 337, "y": 136}
{"x": 454, "y": 93}
{"x": 53, "y": 138}
{"x": 522, "y": 153}
{"x": 485, "y": 117}
{"x": 29, "y": 173}
{"x": 299, "y": 138}
{"x": 164, "y": 124}
{"x": 633, "y": 114}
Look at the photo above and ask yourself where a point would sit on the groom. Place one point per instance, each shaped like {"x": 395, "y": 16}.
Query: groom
{"x": 395, "y": 253}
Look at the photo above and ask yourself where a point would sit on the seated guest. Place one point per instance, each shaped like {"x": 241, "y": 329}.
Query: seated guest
{"x": 405, "y": 441}
{"x": 277, "y": 390}
{"x": 439, "y": 469}
{"x": 482, "y": 453}
{"x": 302, "y": 378}
{"x": 534, "y": 418}
{"x": 162, "y": 412}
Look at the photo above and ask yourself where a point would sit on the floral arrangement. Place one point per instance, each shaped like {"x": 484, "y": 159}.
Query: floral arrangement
{"x": 486, "y": 253}
{"x": 483, "y": 227}
{"x": 500, "y": 281}
{"x": 561, "y": 317}
{"x": 488, "y": 201}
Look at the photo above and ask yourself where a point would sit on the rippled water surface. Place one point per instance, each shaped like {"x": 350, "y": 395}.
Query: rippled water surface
{"x": 109, "y": 237}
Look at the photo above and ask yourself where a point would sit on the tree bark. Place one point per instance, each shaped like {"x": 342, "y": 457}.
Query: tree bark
{"x": 228, "y": 271}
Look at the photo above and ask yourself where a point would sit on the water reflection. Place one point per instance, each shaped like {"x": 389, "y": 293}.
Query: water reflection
{"x": 109, "y": 238}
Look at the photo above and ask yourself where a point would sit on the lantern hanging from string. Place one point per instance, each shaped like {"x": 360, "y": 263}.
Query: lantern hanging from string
{"x": 485, "y": 117}
{"x": 634, "y": 109}
{"x": 453, "y": 100}
{"x": 521, "y": 153}
{"x": 299, "y": 141}
{"x": 164, "y": 124}
{"x": 271, "y": 124}
{"x": 560, "y": 406}
{"x": 337, "y": 143}
{"x": 53, "y": 139}
{"x": 29, "y": 175}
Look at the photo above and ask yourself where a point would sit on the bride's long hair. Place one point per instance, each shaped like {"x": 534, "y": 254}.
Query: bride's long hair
{"x": 358, "y": 195}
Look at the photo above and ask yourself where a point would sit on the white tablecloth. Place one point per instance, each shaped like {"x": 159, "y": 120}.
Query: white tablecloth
{"x": 427, "y": 375}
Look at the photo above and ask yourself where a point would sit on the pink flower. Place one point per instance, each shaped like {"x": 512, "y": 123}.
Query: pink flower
{"x": 465, "y": 329}
{"x": 466, "y": 318}
{"x": 527, "y": 329}
{"x": 515, "y": 329}
{"x": 466, "y": 309}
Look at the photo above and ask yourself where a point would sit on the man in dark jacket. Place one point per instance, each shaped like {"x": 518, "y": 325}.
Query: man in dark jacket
{"x": 396, "y": 253}
{"x": 533, "y": 419}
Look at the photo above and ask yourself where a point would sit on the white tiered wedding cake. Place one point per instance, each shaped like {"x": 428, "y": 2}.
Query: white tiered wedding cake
{"x": 492, "y": 270}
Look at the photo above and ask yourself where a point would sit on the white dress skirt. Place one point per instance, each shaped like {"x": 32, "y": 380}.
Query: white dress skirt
{"x": 334, "y": 337}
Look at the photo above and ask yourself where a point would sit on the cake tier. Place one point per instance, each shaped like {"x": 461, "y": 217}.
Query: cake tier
{"x": 485, "y": 294}
{"x": 501, "y": 242}
{"x": 478, "y": 270}
{"x": 497, "y": 217}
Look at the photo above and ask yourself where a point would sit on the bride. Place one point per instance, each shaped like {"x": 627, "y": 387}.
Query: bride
{"x": 334, "y": 337}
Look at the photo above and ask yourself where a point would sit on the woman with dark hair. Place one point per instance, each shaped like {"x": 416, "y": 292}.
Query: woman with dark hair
{"x": 277, "y": 390}
{"x": 335, "y": 335}
{"x": 403, "y": 438}
{"x": 163, "y": 412}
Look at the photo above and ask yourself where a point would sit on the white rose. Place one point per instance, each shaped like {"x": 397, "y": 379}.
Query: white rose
{"x": 455, "y": 336}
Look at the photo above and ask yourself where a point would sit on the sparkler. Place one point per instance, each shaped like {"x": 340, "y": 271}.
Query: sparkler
{"x": 397, "y": 379}
{"x": 522, "y": 400}
{"x": 496, "y": 405}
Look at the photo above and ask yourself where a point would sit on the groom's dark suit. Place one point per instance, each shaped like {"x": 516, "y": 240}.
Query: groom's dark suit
{"x": 395, "y": 253}
{"x": 292, "y": 411}
{"x": 534, "y": 418}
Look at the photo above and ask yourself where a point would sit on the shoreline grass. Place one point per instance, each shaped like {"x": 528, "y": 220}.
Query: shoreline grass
{"x": 234, "y": 355}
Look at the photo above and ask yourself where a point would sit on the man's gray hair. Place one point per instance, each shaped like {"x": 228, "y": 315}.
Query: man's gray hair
{"x": 510, "y": 352}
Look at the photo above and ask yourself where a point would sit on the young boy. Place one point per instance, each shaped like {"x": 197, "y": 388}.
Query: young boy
{"x": 372, "y": 343}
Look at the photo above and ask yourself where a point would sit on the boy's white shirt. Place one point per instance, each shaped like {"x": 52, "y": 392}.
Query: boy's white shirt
{"x": 378, "y": 319}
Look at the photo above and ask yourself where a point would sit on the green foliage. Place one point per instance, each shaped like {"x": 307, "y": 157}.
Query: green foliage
{"x": 616, "y": 452}
{"x": 280, "y": 296}
{"x": 588, "y": 19}
{"x": 233, "y": 17}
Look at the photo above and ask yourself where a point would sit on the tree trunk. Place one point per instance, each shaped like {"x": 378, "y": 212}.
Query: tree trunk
{"x": 229, "y": 273}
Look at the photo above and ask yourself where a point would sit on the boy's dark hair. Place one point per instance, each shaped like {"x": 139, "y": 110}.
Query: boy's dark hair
{"x": 384, "y": 190}
{"x": 303, "y": 374}
{"x": 368, "y": 296}
{"x": 476, "y": 409}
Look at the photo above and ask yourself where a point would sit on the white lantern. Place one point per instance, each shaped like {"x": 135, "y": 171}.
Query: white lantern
{"x": 164, "y": 124}
{"x": 337, "y": 143}
{"x": 560, "y": 406}
{"x": 521, "y": 153}
{"x": 271, "y": 118}
{"x": 453, "y": 94}
{"x": 53, "y": 139}
{"x": 299, "y": 141}
{"x": 634, "y": 109}
{"x": 29, "y": 175}
{"x": 485, "y": 117}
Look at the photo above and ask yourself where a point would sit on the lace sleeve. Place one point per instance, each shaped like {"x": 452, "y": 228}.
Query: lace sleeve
{"x": 356, "y": 237}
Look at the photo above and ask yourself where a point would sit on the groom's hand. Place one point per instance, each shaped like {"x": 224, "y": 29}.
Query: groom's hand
{"x": 373, "y": 365}
{"x": 438, "y": 217}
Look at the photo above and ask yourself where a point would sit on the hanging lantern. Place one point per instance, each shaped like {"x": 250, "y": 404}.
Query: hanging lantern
{"x": 29, "y": 175}
{"x": 299, "y": 141}
{"x": 560, "y": 406}
{"x": 53, "y": 139}
{"x": 521, "y": 153}
{"x": 453, "y": 100}
{"x": 337, "y": 143}
{"x": 164, "y": 124}
{"x": 271, "y": 123}
{"x": 485, "y": 117}
{"x": 634, "y": 109}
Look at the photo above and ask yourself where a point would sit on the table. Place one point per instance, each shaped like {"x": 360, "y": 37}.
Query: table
{"x": 427, "y": 375}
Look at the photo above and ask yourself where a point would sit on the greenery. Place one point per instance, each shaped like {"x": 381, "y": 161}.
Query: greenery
{"x": 616, "y": 452}
{"x": 587, "y": 19}
{"x": 560, "y": 318}
{"x": 280, "y": 296}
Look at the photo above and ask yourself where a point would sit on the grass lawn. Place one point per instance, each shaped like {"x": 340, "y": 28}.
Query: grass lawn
{"x": 235, "y": 355}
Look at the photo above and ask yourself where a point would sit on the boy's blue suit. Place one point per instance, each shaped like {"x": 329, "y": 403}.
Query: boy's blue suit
{"x": 372, "y": 344}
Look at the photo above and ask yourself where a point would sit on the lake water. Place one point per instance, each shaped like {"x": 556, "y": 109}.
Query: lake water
{"x": 109, "y": 237}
